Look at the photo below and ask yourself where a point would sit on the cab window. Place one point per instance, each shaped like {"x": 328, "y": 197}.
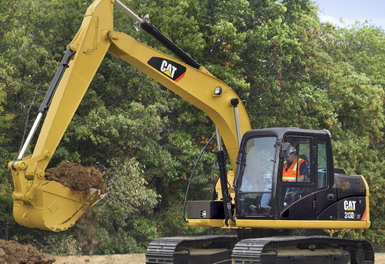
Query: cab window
{"x": 254, "y": 196}
{"x": 259, "y": 164}
{"x": 322, "y": 170}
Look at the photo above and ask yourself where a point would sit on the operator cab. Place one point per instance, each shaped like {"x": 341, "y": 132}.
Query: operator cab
{"x": 279, "y": 167}
{"x": 287, "y": 174}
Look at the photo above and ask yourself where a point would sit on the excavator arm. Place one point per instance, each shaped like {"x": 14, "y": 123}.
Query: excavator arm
{"x": 43, "y": 204}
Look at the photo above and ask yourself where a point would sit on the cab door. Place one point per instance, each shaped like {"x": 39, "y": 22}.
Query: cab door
{"x": 305, "y": 199}
{"x": 297, "y": 179}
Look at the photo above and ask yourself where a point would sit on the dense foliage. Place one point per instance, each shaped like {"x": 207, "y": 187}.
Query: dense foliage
{"x": 291, "y": 69}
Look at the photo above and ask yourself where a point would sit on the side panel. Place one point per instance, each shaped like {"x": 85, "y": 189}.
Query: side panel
{"x": 349, "y": 200}
{"x": 348, "y": 209}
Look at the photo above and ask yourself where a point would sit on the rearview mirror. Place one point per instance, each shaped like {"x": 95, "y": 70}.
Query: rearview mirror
{"x": 285, "y": 150}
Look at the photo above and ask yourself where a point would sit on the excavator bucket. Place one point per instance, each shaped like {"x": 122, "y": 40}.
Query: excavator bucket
{"x": 53, "y": 206}
{"x": 42, "y": 203}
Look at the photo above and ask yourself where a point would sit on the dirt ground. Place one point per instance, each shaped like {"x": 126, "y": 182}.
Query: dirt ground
{"x": 110, "y": 259}
{"x": 380, "y": 258}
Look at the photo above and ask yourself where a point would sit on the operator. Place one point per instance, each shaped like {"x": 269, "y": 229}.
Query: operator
{"x": 294, "y": 168}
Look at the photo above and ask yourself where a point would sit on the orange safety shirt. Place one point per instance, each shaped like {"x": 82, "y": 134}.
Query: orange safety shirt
{"x": 290, "y": 174}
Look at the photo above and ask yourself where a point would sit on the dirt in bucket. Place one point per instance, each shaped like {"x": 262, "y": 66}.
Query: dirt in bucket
{"x": 12, "y": 252}
{"x": 76, "y": 176}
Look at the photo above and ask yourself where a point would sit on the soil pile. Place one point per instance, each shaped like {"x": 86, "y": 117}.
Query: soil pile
{"x": 76, "y": 176}
{"x": 12, "y": 252}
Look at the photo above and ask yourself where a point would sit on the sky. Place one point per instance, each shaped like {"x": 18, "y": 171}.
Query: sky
{"x": 352, "y": 10}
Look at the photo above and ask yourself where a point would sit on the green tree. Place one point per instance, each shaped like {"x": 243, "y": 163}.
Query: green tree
{"x": 362, "y": 47}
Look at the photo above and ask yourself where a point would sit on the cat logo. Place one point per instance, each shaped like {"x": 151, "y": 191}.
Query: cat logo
{"x": 169, "y": 68}
{"x": 350, "y": 205}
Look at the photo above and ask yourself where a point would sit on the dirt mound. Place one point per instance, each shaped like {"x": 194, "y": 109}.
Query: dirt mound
{"x": 76, "y": 176}
{"x": 12, "y": 252}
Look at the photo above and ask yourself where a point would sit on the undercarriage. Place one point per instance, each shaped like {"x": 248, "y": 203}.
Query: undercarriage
{"x": 265, "y": 250}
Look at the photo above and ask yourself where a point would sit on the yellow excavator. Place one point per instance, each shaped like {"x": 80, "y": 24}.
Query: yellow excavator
{"x": 261, "y": 192}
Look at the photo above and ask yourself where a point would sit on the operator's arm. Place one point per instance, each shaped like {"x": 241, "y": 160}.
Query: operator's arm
{"x": 304, "y": 172}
